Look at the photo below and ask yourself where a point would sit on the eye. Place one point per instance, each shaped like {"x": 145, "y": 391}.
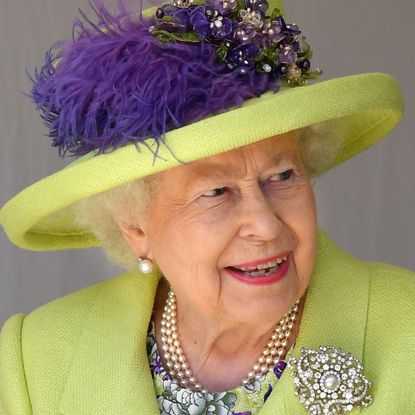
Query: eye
{"x": 282, "y": 180}
{"x": 215, "y": 192}
{"x": 282, "y": 176}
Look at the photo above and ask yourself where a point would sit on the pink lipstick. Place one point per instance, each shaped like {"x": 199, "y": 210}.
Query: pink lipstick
{"x": 262, "y": 272}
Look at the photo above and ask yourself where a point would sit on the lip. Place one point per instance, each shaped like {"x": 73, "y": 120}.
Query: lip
{"x": 270, "y": 279}
{"x": 261, "y": 261}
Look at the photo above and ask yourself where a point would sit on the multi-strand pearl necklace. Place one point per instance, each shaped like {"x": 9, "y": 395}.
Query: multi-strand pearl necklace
{"x": 178, "y": 367}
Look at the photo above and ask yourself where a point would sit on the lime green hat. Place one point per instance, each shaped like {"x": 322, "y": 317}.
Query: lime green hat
{"x": 41, "y": 218}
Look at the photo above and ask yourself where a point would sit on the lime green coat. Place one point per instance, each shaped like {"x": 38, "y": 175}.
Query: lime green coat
{"x": 85, "y": 354}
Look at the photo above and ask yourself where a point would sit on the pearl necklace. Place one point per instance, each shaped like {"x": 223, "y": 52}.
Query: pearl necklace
{"x": 176, "y": 362}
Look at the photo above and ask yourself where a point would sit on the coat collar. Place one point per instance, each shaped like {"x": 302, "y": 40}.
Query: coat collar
{"x": 110, "y": 372}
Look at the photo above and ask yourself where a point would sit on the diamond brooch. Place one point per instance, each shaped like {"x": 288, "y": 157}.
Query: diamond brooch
{"x": 329, "y": 381}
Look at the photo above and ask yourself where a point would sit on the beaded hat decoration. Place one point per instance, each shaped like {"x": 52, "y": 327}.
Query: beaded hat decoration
{"x": 129, "y": 78}
{"x": 245, "y": 36}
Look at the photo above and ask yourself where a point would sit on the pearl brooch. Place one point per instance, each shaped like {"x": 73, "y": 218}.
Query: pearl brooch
{"x": 178, "y": 368}
{"x": 329, "y": 381}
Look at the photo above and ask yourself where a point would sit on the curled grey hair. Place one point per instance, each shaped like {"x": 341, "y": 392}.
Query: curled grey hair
{"x": 101, "y": 213}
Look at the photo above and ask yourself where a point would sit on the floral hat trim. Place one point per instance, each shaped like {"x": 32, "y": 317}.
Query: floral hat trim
{"x": 131, "y": 79}
{"x": 246, "y": 38}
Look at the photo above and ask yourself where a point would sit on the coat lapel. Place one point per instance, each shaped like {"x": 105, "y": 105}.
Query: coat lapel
{"x": 334, "y": 314}
{"x": 110, "y": 372}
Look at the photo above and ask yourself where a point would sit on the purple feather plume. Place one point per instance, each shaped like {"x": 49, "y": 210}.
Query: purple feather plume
{"x": 115, "y": 83}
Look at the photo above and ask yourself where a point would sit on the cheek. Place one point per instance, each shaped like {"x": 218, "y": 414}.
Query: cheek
{"x": 304, "y": 224}
{"x": 187, "y": 253}
{"x": 189, "y": 246}
{"x": 296, "y": 208}
{"x": 304, "y": 215}
{"x": 298, "y": 215}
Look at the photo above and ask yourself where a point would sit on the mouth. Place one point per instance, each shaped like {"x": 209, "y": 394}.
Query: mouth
{"x": 261, "y": 272}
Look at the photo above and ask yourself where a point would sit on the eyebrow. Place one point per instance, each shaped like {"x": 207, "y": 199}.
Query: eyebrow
{"x": 217, "y": 170}
{"x": 287, "y": 155}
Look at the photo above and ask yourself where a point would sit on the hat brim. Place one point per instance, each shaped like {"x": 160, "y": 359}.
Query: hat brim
{"x": 40, "y": 217}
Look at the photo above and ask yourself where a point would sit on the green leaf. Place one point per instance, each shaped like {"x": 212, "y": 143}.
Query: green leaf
{"x": 309, "y": 55}
{"x": 234, "y": 14}
{"x": 167, "y": 18}
{"x": 258, "y": 66}
{"x": 314, "y": 74}
{"x": 187, "y": 37}
{"x": 305, "y": 47}
{"x": 240, "y": 4}
{"x": 221, "y": 52}
{"x": 163, "y": 36}
{"x": 261, "y": 60}
{"x": 275, "y": 13}
{"x": 270, "y": 53}
{"x": 168, "y": 37}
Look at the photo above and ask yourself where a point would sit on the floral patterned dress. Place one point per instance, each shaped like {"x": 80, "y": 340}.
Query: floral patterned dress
{"x": 173, "y": 399}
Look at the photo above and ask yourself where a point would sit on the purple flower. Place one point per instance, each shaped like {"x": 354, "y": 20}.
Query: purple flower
{"x": 292, "y": 29}
{"x": 245, "y": 32}
{"x": 286, "y": 54}
{"x": 280, "y": 71}
{"x": 184, "y": 15}
{"x": 252, "y": 18}
{"x": 208, "y": 22}
{"x": 241, "y": 57}
{"x": 222, "y": 27}
{"x": 156, "y": 366}
{"x": 200, "y": 22}
{"x": 181, "y": 17}
{"x": 257, "y": 5}
{"x": 275, "y": 30}
{"x": 304, "y": 65}
{"x": 224, "y": 6}
{"x": 288, "y": 29}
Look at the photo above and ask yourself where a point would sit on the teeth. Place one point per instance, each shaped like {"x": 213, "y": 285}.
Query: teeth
{"x": 264, "y": 266}
{"x": 262, "y": 272}
{"x": 257, "y": 273}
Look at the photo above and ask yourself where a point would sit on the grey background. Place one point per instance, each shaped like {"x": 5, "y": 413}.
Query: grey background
{"x": 366, "y": 205}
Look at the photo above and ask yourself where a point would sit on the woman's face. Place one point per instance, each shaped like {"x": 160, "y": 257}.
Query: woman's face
{"x": 215, "y": 220}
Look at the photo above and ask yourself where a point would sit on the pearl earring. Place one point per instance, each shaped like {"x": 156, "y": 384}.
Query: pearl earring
{"x": 145, "y": 266}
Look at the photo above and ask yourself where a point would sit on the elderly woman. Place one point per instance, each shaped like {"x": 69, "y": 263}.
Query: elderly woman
{"x": 217, "y": 214}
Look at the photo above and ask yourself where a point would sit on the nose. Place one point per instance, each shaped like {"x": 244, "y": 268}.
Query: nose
{"x": 258, "y": 218}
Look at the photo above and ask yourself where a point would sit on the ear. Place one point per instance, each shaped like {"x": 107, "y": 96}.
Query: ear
{"x": 137, "y": 239}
